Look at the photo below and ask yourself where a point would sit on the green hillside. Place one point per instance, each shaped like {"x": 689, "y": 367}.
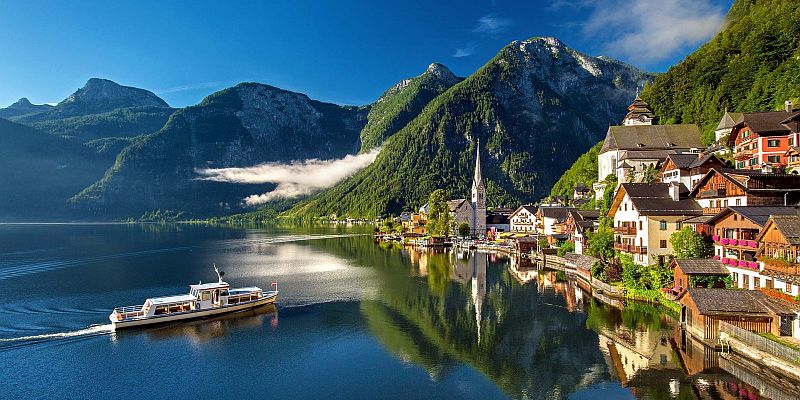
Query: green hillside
{"x": 751, "y": 65}
{"x": 524, "y": 105}
{"x": 583, "y": 170}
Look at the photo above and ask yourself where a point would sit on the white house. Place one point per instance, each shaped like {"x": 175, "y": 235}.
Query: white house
{"x": 523, "y": 219}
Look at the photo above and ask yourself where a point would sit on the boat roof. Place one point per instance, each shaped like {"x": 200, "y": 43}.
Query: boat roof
{"x": 246, "y": 289}
{"x": 213, "y": 285}
{"x": 182, "y": 298}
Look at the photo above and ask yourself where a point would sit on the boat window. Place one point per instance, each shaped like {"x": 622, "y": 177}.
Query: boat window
{"x": 161, "y": 310}
{"x": 224, "y": 292}
{"x": 205, "y": 295}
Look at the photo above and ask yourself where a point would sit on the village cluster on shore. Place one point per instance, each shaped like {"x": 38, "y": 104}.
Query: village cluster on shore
{"x": 711, "y": 232}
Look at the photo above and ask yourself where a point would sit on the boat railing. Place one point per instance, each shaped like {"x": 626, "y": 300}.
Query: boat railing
{"x": 130, "y": 311}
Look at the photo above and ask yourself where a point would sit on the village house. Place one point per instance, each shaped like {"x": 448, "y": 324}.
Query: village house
{"x": 688, "y": 168}
{"x": 629, "y": 150}
{"x": 763, "y": 138}
{"x": 551, "y": 219}
{"x": 523, "y": 219}
{"x": 702, "y": 309}
{"x": 645, "y": 215}
{"x": 578, "y": 224}
{"x": 735, "y": 230}
{"x": 720, "y": 188}
{"x": 725, "y": 126}
{"x": 414, "y": 223}
{"x": 698, "y": 273}
{"x": 499, "y": 220}
{"x": 793, "y": 160}
{"x": 779, "y": 252}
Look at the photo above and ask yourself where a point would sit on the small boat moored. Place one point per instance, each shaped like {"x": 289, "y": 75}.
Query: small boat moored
{"x": 203, "y": 300}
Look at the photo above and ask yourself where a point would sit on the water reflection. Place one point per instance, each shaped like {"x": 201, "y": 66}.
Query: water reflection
{"x": 537, "y": 333}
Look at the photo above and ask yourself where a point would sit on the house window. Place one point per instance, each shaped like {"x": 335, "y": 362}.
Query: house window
{"x": 755, "y": 145}
{"x": 663, "y": 225}
{"x": 662, "y": 244}
{"x": 640, "y": 224}
{"x": 735, "y": 217}
{"x": 738, "y": 202}
{"x": 677, "y": 226}
{"x": 773, "y": 143}
{"x": 753, "y": 161}
{"x": 774, "y": 159}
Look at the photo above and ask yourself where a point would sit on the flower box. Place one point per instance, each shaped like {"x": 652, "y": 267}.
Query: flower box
{"x": 742, "y": 263}
{"x": 715, "y": 238}
{"x": 724, "y": 260}
{"x": 752, "y": 265}
{"x": 725, "y": 241}
{"x": 752, "y": 243}
{"x": 734, "y": 242}
{"x": 716, "y": 257}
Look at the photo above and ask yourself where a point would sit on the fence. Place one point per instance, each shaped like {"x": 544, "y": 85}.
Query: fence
{"x": 764, "y": 344}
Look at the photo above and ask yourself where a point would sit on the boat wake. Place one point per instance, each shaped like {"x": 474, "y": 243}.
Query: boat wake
{"x": 94, "y": 330}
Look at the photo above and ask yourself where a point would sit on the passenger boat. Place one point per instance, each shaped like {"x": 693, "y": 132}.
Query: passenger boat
{"x": 203, "y": 300}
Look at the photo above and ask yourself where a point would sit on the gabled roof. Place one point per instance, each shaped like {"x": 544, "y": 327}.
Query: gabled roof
{"x": 780, "y": 183}
{"x": 700, "y": 266}
{"x": 455, "y": 204}
{"x": 751, "y": 303}
{"x": 729, "y": 119}
{"x": 653, "y": 199}
{"x": 758, "y": 215}
{"x": 639, "y": 137}
{"x": 767, "y": 123}
{"x": 788, "y": 226}
{"x": 587, "y": 214}
{"x": 793, "y": 150}
{"x": 559, "y": 213}
{"x": 529, "y": 208}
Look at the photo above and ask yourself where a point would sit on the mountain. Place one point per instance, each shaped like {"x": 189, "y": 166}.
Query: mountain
{"x": 23, "y": 107}
{"x": 751, "y": 65}
{"x": 398, "y": 105}
{"x": 535, "y": 107}
{"x": 240, "y": 126}
{"x": 40, "y": 172}
{"x": 101, "y": 109}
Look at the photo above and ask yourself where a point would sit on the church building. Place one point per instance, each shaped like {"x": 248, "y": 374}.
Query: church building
{"x": 472, "y": 211}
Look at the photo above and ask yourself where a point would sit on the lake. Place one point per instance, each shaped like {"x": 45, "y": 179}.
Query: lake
{"x": 354, "y": 320}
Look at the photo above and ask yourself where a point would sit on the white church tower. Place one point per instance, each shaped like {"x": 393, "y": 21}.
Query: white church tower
{"x": 478, "y": 197}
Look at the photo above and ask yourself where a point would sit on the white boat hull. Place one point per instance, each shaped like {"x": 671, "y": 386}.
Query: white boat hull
{"x": 269, "y": 298}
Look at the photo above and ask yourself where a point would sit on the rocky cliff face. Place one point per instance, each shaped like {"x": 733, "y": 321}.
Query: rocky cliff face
{"x": 240, "y": 126}
{"x": 535, "y": 107}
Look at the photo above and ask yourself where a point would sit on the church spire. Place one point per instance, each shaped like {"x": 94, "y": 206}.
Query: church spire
{"x": 477, "y": 180}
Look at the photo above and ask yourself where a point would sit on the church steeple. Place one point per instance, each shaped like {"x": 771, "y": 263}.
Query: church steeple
{"x": 478, "y": 189}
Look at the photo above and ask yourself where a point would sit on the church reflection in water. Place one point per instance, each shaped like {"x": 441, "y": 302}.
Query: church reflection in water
{"x": 536, "y": 332}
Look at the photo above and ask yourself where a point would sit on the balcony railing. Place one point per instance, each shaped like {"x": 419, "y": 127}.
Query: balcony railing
{"x": 743, "y": 154}
{"x": 740, "y": 243}
{"x": 629, "y": 248}
{"x": 713, "y": 193}
{"x": 782, "y": 267}
{"x": 712, "y": 210}
{"x": 625, "y": 230}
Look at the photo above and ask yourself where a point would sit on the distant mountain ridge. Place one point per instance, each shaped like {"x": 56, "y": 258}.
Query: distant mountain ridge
{"x": 23, "y": 106}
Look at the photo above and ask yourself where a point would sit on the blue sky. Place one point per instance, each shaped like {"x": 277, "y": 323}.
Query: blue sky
{"x": 343, "y": 51}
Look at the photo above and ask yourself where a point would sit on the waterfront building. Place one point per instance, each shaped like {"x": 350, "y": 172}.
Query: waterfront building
{"x": 499, "y": 220}
{"x": 763, "y": 138}
{"x": 735, "y": 232}
{"x": 578, "y": 224}
{"x": 686, "y": 269}
{"x": 779, "y": 252}
{"x": 629, "y": 150}
{"x": 523, "y": 219}
{"x": 720, "y": 188}
{"x": 551, "y": 219}
{"x": 702, "y": 309}
{"x": 688, "y": 168}
{"x": 645, "y": 215}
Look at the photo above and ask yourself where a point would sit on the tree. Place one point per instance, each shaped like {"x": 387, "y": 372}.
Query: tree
{"x": 686, "y": 243}
{"x": 600, "y": 243}
{"x": 464, "y": 230}
{"x": 543, "y": 243}
{"x": 439, "y": 215}
{"x": 566, "y": 247}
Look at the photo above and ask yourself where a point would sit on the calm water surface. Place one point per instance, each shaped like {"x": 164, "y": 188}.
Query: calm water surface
{"x": 354, "y": 320}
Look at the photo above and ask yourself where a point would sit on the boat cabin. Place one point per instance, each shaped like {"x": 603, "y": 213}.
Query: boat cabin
{"x": 209, "y": 294}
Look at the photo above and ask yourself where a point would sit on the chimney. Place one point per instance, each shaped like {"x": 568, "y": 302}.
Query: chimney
{"x": 674, "y": 191}
{"x": 789, "y": 107}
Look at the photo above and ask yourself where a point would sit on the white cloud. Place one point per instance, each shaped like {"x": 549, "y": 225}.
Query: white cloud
{"x": 491, "y": 24}
{"x": 649, "y": 31}
{"x": 295, "y": 179}
{"x": 465, "y": 51}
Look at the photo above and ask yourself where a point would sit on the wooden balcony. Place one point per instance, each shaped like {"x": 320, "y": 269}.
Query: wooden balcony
{"x": 781, "y": 268}
{"x": 713, "y": 193}
{"x": 712, "y": 210}
{"x": 743, "y": 154}
{"x": 625, "y": 230}
{"x": 628, "y": 248}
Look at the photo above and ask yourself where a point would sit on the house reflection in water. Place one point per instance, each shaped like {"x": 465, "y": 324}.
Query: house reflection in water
{"x": 633, "y": 350}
